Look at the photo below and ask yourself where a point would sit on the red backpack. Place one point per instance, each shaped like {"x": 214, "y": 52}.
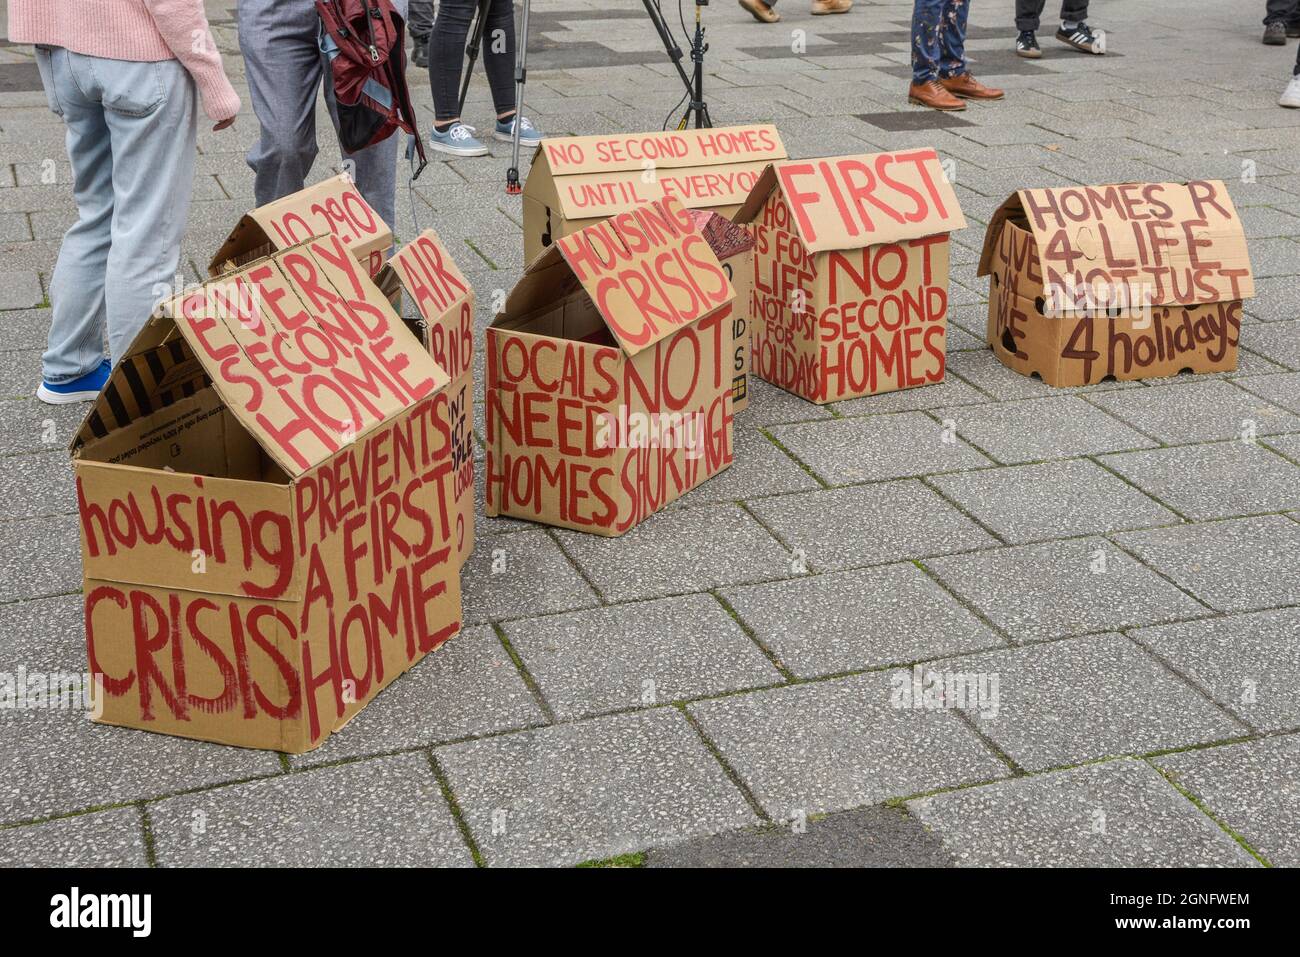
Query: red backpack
{"x": 365, "y": 41}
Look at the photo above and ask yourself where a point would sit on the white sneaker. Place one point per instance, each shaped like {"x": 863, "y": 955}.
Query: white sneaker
{"x": 1291, "y": 95}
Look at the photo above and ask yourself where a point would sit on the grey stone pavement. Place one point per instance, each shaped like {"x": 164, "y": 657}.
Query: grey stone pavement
{"x": 1114, "y": 568}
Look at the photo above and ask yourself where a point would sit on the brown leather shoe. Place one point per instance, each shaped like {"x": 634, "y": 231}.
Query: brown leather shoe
{"x": 760, "y": 11}
{"x": 821, "y": 8}
{"x": 931, "y": 94}
{"x": 970, "y": 88}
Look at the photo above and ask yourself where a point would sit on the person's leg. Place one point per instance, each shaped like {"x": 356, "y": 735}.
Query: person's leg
{"x": 374, "y": 169}
{"x": 420, "y": 23}
{"x": 447, "y": 58}
{"x": 153, "y": 179}
{"x": 1074, "y": 11}
{"x": 927, "y": 17}
{"x": 499, "y": 56}
{"x": 76, "y": 341}
{"x": 282, "y": 60}
{"x": 1029, "y": 15}
{"x": 1278, "y": 11}
{"x": 952, "y": 38}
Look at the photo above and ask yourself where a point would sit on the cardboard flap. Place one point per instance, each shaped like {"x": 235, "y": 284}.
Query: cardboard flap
{"x": 1011, "y": 209}
{"x": 333, "y": 206}
{"x": 430, "y": 276}
{"x": 1167, "y": 242}
{"x": 647, "y": 271}
{"x": 625, "y": 152}
{"x": 305, "y": 351}
{"x": 847, "y": 202}
{"x": 724, "y": 237}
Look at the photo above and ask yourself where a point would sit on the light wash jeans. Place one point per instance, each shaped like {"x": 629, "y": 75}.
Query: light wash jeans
{"x": 280, "y": 40}
{"x": 132, "y": 129}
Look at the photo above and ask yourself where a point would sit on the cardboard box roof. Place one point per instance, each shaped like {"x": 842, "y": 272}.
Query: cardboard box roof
{"x": 300, "y": 346}
{"x": 1122, "y": 233}
{"x": 588, "y": 177}
{"x": 332, "y": 206}
{"x": 620, "y": 263}
{"x": 847, "y": 202}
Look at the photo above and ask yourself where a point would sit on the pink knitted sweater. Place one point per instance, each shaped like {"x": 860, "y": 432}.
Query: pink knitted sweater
{"x": 140, "y": 30}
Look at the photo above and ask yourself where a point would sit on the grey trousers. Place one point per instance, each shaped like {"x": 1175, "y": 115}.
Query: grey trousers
{"x": 285, "y": 67}
{"x": 420, "y": 24}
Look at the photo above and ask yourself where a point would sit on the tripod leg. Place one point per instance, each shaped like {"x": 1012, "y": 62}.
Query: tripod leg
{"x": 471, "y": 50}
{"x": 521, "y": 76}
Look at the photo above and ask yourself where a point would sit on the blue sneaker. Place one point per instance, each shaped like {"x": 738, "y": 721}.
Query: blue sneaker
{"x": 81, "y": 389}
{"x": 529, "y": 135}
{"x": 458, "y": 140}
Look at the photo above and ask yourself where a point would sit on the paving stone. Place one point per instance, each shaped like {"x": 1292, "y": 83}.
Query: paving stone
{"x": 866, "y": 837}
{"x": 35, "y": 485}
{"x": 1026, "y": 503}
{"x": 1221, "y": 480}
{"x": 1278, "y": 341}
{"x": 508, "y": 576}
{"x": 848, "y": 621}
{"x": 637, "y": 654}
{"x": 983, "y": 370}
{"x": 1286, "y": 445}
{"x": 21, "y": 289}
{"x": 868, "y": 525}
{"x": 39, "y": 557}
{"x": 387, "y": 812}
{"x": 1116, "y": 814}
{"x": 1276, "y": 300}
{"x": 56, "y": 761}
{"x": 1077, "y": 700}
{"x": 759, "y": 469}
{"x": 1251, "y": 787}
{"x": 951, "y": 391}
{"x": 1238, "y": 565}
{"x": 1281, "y": 390}
{"x": 591, "y": 790}
{"x": 1196, "y": 411}
{"x": 468, "y": 686}
{"x": 1051, "y": 590}
{"x": 1036, "y": 429}
{"x": 1247, "y": 663}
{"x": 769, "y": 405}
{"x": 866, "y": 449}
{"x": 113, "y": 838}
{"x": 724, "y": 544}
{"x": 833, "y": 745}
{"x": 28, "y": 425}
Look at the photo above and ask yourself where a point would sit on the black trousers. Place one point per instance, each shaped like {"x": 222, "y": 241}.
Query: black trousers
{"x": 1282, "y": 11}
{"x": 447, "y": 54}
{"x": 1029, "y": 11}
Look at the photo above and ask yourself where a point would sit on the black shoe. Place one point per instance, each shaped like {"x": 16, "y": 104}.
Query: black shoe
{"x": 420, "y": 52}
{"x": 1293, "y": 29}
{"x": 1275, "y": 34}
{"x": 1081, "y": 37}
{"x": 1027, "y": 45}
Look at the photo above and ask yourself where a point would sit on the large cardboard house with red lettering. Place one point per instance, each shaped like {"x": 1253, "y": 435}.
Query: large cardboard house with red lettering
{"x": 444, "y": 300}
{"x": 265, "y": 534}
{"x": 1126, "y": 281}
{"x": 331, "y": 207}
{"x": 851, "y": 273}
{"x": 609, "y": 374}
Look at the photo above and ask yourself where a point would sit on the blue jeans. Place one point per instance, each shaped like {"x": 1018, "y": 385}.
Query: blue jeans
{"x": 938, "y": 39}
{"x": 132, "y": 129}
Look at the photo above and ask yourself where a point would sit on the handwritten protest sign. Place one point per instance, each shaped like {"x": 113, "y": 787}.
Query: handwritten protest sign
{"x": 851, "y": 273}
{"x": 608, "y": 374}
{"x": 266, "y": 533}
{"x": 1130, "y": 281}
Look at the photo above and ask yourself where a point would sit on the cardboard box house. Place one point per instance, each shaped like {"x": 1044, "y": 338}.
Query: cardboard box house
{"x": 265, "y": 536}
{"x": 609, "y": 374}
{"x": 851, "y": 273}
{"x": 444, "y": 300}
{"x": 734, "y": 247}
{"x": 1126, "y": 281}
{"x": 578, "y": 180}
{"x": 331, "y": 207}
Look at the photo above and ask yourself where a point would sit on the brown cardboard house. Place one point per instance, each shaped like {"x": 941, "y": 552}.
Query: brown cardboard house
{"x": 851, "y": 273}
{"x": 609, "y": 374}
{"x": 444, "y": 299}
{"x": 1125, "y": 281}
{"x": 331, "y": 207}
{"x": 265, "y": 536}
